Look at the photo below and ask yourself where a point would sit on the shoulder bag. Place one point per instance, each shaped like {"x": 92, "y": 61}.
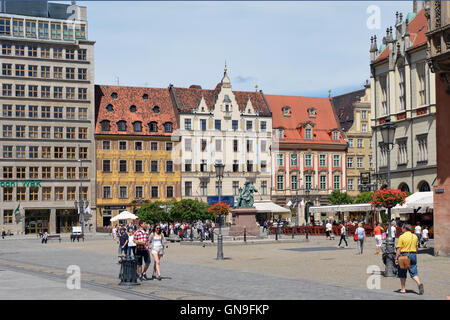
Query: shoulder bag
{"x": 404, "y": 262}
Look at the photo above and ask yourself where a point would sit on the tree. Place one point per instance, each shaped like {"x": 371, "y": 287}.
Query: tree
{"x": 153, "y": 212}
{"x": 189, "y": 210}
{"x": 338, "y": 197}
{"x": 364, "y": 197}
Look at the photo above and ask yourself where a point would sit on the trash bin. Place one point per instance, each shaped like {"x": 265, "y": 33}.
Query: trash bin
{"x": 128, "y": 272}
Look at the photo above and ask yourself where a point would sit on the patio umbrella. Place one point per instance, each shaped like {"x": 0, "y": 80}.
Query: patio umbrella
{"x": 124, "y": 215}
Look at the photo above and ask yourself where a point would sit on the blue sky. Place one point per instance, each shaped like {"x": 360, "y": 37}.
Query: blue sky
{"x": 295, "y": 48}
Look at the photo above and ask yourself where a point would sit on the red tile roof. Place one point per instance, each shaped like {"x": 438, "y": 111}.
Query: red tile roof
{"x": 324, "y": 121}
{"x": 128, "y": 96}
{"x": 189, "y": 99}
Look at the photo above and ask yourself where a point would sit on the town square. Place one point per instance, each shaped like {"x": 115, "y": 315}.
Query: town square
{"x": 208, "y": 151}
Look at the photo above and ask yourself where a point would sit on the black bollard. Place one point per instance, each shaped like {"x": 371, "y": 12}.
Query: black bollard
{"x": 245, "y": 234}
{"x": 128, "y": 272}
{"x": 212, "y": 236}
{"x": 192, "y": 234}
{"x": 293, "y": 234}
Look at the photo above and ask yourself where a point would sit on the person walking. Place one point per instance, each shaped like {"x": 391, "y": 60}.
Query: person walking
{"x": 141, "y": 238}
{"x": 407, "y": 246}
{"x": 157, "y": 242}
{"x": 361, "y": 237}
{"x": 418, "y": 232}
{"x": 425, "y": 236}
{"x": 131, "y": 243}
{"x": 378, "y": 230}
{"x": 3, "y": 232}
{"x": 123, "y": 243}
{"x": 343, "y": 230}
{"x": 328, "y": 228}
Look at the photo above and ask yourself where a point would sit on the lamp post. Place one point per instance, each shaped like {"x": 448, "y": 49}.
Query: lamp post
{"x": 387, "y": 134}
{"x": 307, "y": 190}
{"x": 219, "y": 174}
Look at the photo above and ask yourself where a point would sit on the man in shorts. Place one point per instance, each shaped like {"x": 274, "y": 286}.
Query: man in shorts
{"x": 141, "y": 238}
{"x": 407, "y": 246}
{"x": 378, "y": 241}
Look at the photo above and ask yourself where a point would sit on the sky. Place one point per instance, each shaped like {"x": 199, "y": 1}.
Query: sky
{"x": 294, "y": 48}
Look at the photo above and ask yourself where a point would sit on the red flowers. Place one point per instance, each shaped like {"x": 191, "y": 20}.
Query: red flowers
{"x": 388, "y": 198}
{"x": 219, "y": 208}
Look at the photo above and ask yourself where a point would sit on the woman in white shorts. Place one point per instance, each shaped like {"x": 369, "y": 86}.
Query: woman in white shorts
{"x": 157, "y": 242}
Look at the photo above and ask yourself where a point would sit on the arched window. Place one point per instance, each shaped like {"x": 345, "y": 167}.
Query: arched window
{"x": 424, "y": 186}
{"x": 110, "y": 108}
{"x": 137, "y": 126}
{"x": 401, "y": 85}
{"x": 133, "y": 108}
{"x": 122, "y": 125}
{"x": 105, "y": 125}
{"x": 153, "y": 126}
{"x": 168, "y": 127}
{"x": 155, "y": 109}
{"x": 404, "y": 187}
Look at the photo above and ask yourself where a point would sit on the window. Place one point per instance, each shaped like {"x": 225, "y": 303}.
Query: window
{"x": 45, "y": 112}
{"x": 359, "y": 143}
{"x": 7, "y": 110}
{"x": 20, "y": 90}
{"x": 153, "y": 126}
{"x": 203, "y": 145}
{"x": 70, "y": 174}
{"x": 46, "y": 152}
{"x": 235, "y": 166}
{"x": 350, "y": 143}
{"x": 168, "y": 127}
{"x": 155, "y": 110}
{"x": 336, "y": 182}
{"x": 188, "y": 166}
{"x": 59, "y": 152}
{"x": 20, "y": 50}
{"x": 46, "y": 172}
{"x": 58, "y": 54}
{"x": 350, "y": 184}
{"x": 122, "y": 165}
{"x": 188, "y": 188}
{"x": 82, "y": 113}
{"x": 308, "y": 181}
{"x": 67, "y": 32}
{"x": 359, "y": 162}
{"x": 122, "y": 125}
{"x": 350, "y": 162}
{"x": 70, "y": 54}
{"x": 154, "y": 166}
{"x": 123, "y": 194}
{"x": 235, "y": 187}
{"x": 420, "y": 67}
{"x": 32, "y": 72}
{"x": 32, "y": 51}
{"x": 106, "y": 165}
{"x": 294, "y": 182}
{"x": 294, "y": 160}
{"x": 139, "y": 192}
{"x": 308, "y": 160}
{"x": 138, "y": 145}
{"x": 383, "y": 85}
{"x": 364, "y": 127}
{"x": 249, "y": 166}
{"x": 6, "y": 49}
{"x": 59, "y": 173}
{"x": 34, "y": 193}
{"x": 235, "y": 145}
{"x": 323, "y": 182}
{"x": 7, "y": 152}
{"x": 17, "y": 28}
{"x": 7, "y": 131}
{"x": 263, "y": 145}
{"x": 235, "y": 125}
{"x": 46, "y": 193}
{"x": 82, "y": 54}
{"x": 203, "y": 124}
{"x": 70, "y": 112}
{"x": 106, "y": 145}
{"x": 105, "y": 125}
{"x": 33, "y": 152}
{"x": 263, "y": 126}
{"x": 30, "y": 29}
{"x": 322, "y": 160}
{"x": 70, "y": 93}
{"x": 71, "y": 193}
{"x": 58, "y": 113}
{"x": 249, "y": 146}
{"x": 423, "y": 149}
{"x": 402, "y": 153}
{"x": 33, "y": 111}
{"x": 153, "y": 146}
{"x": 20, "y": 152}
{"x": 249, "y": 125}
{"x": 70, "y": 133}
{"x": 43, "y": 30}
{"x": 5, "y": 26}
{"x": 307, "y": 133}
{"x": 83, "y": 152}
{"x": 70, "y": 152}
{"x": 45, "y": 91}
{"x": 187, "y": 124}
{"x": 7, "y": 172}
{"x": 7, "y": 90}
{"x": 203, "y": 188}
{"x": 155, "y": 192}
{"x": 280, "y": 182}
{"x": 33, "y": 132}
{"x": 56, "y": 31}
{"x": 169, "y": 192}
{"x": 82, "y": 93}
{"x": 263, "y": 166}
{"x": 169, "y": 146}
{"x": 217, "y": 125}
{"x": 70, "y": 73}
{"x": 137, "y": 126}
{"x": 45, "y": 52}
{"x": 20, "y": 194}
{"x": 335, "y": 135}
{"x": 20, "y": 70}
{"x": 336, "y": 160}
{"x": 57, "y": 72}
{"x": 20, "y": 131}
{"x": 7, "y": 194}
{"x": 263, "y": 187}
{"x": 187, "y": 145}
{"x": 7, "y": 216}
{"x": 138, "y": 167}
{"x": 169, "y": 166}
{"x": 280, "y": 160}
{"x": 80, "y": 31}
{"x": 107, "y": 192}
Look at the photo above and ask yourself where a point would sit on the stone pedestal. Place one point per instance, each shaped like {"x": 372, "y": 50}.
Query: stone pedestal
{"x": 244, "y": 218}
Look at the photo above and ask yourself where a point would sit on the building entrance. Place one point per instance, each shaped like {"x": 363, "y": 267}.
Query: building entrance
{"x": 66, "y": 219}
{"x": 36, "y": 221}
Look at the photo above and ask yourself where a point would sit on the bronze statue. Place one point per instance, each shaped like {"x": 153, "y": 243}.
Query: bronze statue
{"x": 245, "y": 199}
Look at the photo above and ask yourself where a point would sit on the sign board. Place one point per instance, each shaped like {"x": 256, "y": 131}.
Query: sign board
{"x": 23, "y": 183}
{"x": 76, "y": 230}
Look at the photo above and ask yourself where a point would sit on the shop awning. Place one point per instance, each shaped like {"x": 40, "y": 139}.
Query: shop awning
{"x": 124, "y": 215}
{"x": 359, "y": 207}
{"x": 267, "y": 206}
{"x": 421, "y": 201}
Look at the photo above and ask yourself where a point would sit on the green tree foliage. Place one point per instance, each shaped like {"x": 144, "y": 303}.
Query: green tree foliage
{"x": 364, "y": 197}
{"x": 189, "y": 210}
{"x": 338, "y": 197}
{"x": 153, "y": 212}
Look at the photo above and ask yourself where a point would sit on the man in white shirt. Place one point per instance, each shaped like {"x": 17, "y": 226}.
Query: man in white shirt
{"x": 328, "y": 227}
{"x": 425, "y": 236}
{"x": 418, "y": 232}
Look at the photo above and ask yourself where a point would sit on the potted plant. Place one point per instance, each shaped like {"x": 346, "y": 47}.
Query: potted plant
{"x": 388, "y": 198}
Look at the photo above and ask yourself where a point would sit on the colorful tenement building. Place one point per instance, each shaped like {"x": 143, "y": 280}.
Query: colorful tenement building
{"x": 308, "y": 152}
{"x": 137, "y": 151}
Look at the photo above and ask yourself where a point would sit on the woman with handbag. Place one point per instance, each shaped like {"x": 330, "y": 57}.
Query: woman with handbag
{"x": 406, "y": 258}
{"x": 360, "y": 237}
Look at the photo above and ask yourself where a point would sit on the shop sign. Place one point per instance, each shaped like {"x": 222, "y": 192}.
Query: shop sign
{"x": 24, "y": 183}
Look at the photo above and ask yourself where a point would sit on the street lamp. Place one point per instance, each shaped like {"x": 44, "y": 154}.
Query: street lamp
{"x": 219, "y": 174}
{"x": 307, "y": 190}
{"x": 387, "y": 134}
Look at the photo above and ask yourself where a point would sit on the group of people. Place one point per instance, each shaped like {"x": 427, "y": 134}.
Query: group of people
{"x": 140, "y": 241}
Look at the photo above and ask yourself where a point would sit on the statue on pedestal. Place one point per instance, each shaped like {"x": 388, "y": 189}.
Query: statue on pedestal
{"x": 245, "y": 199}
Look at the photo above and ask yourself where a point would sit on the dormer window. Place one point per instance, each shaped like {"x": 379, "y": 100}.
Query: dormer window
{"x": 280, "y": 133}
{"x": 133, "y": 109}
{"x": 145, "y": 96}
{"x": 335, "y": 135}
{"x": 227, "y": 99}
{"x": 105, "y": 125}
{"x": 137, "y": 126}
{"x": 312, "y": 112}
{"x": 110, "y": 108}
{"x": 155, "y": 109}
{"x": 308, "y": 133}
{"x": 122, "y": 125}
{"x": 114, "y": 95}
{"x": 249, "y": 111}
{"x": 168, "y": 127}
{"x": 286, "y": 110}
{"x": 153, "y": 126}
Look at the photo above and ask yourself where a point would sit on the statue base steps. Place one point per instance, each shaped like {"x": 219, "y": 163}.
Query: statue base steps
{"x": 243, "y": 218}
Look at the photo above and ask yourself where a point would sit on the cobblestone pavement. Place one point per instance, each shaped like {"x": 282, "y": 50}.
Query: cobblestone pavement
{"x": 303, "y": 270}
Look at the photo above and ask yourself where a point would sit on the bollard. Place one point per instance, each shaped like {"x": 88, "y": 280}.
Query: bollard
{"x": 192, "y": 235}
{"x": 245, "y": 234}
{"x": 293, "y": 234}
{"x": 212, "y": 236}
{"x": 128, "y": 272}
{"x": 276, "y": 233}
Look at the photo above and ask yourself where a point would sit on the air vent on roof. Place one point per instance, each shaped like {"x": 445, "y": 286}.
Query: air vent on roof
{"x": 195, "y": 86}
